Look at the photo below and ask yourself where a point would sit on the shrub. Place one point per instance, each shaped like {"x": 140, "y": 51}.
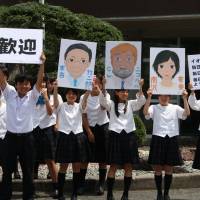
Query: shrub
{"x": 140, "y": 130}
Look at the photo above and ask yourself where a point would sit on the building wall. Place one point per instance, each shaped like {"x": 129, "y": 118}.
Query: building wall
{"x": 113, "y": 8}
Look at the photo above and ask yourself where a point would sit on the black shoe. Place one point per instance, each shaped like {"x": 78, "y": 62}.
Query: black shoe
{"x": 100, "y": 190}
{"x": 35, "y": 175}
{"x": 110, "y": 197}
{"x": 35, "y": 196}
{"x": 48, "y": 175}
{"x": 29, "y": 198}
{"x": 61, "y": 198}
{"x": 81, "y": 190}
{"x": 54, "y": 194}
{"x": 17, "y": 175}
{"x": 166, "y": 197}
{"x": 124, "y": 197}
{"x": 160, "y": 197}
{"x": 74, "y": 197}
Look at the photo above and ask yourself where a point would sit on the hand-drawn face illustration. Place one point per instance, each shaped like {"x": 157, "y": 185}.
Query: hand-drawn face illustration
{"x": 123, "y": 60}
{"x": 166, "y": 65}
{"x": 77, "y": 59}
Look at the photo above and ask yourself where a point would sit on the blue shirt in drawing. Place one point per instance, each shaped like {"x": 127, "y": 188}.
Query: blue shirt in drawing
{"x": 83, "y": 82}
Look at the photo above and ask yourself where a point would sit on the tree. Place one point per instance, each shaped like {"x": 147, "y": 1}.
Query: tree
{"x": 60, "y": 23}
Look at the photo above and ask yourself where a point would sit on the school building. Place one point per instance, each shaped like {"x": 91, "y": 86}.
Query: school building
{"x": 169, "y": 23}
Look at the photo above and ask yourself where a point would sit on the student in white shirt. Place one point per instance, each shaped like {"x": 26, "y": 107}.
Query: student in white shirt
{"x": 164, "y": 148}
{"x": 95, "y": 122}
{"x": 39, "y": 158}
{"x": 19, "y": 139}
{"x": 195, "y": 105}
{"x": 71, "y": 146}
{"x": 47, "y": 128}
{"x": 3, "y": 129}
{"x": 122, "y": 142}
{"x": 3, "y": 125}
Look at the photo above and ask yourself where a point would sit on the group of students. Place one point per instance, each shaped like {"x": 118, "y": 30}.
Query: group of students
{"x": 36, "y": 125}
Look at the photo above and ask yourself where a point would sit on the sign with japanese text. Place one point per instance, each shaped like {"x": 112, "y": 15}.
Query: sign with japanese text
{"x": 76, "y": 64}
{"x": 194, "y": 70}
{"x": 21, "y": 45}
{"x": 167, "y": 70}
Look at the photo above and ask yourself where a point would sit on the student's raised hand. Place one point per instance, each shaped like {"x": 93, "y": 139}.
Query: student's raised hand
{"x": 149, "y": 92}
{"x": 96, "y": 86}
{"x": 190, "y": 87}
{"x": 55, "y": 85}
{"x": 3, "y": 78}
{"x": 88, "y": 92}
{"x": 45, "y": 94}
{"x": 43, "y": 58}
{"x": 185, "y": 94}
{"x": 104, "y": 82}
{"x": 141, "y": 82}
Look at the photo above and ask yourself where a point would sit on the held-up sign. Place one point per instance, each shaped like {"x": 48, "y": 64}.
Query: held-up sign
{"x": 76, "y": 64}
{"x": 167, "y": 70}
{"x": 21, "y": 45}
{"x": 194, "y": 70}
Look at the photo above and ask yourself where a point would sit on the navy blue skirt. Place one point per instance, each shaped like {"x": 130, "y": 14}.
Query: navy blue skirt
{"x": 72, "y": 148}
{"x": 196, "y": 163}
{"x": 1, "y": 150}
{"x": 164, "y": 151}
{"x": 97, "y": 151}
{"x": 49, "y": 143}
{"x": 122, "y": 148}
{"x": 38, "y": 145}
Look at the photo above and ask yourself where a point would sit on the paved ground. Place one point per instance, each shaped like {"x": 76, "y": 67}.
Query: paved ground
{"x": 180, "y": 194}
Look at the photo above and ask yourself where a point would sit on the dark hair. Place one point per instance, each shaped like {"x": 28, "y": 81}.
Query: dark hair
{"x": 164, "y": 56}
{"x": 79, "y": 46}
{"x": 45, "y": 79}
{"x": 100, "y": 77}
{"x": 4, "y": 70}
{"x": 116, "y": 102}
{"x": 74, "y": 91}
{"x": 22, "y": 77}
{"x": 51, "y": 80}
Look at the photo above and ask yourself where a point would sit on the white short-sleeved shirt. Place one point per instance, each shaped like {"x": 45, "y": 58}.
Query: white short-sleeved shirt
{"x": 96, "y": 114}
{"x": 194, "y": 103}
{"x": 45, "y": 119}
{"x": 3, "y": 129}
{"x": 36, "y": 116}
{"x": 125, "y": 121}
{"x": 69, "y": 118}
{"x": 165, "y": 119}
{"x": 20, "y": 110}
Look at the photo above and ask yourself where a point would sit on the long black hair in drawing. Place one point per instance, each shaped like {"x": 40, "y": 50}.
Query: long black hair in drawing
{"x": 164, "y": 56}
{"x": 116, "y": 102}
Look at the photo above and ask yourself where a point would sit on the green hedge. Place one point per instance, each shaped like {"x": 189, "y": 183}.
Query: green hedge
{"x": 140, "y": 130}
{"x": 60, "y": 23}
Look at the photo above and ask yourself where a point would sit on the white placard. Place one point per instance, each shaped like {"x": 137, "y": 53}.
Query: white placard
{"x": 76, "y": 64}
{"x": 21, "y": 45}
{"x": 123, "y": 64}
{"x": 167, "y": 70}
{"x": 194, "y": 70}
